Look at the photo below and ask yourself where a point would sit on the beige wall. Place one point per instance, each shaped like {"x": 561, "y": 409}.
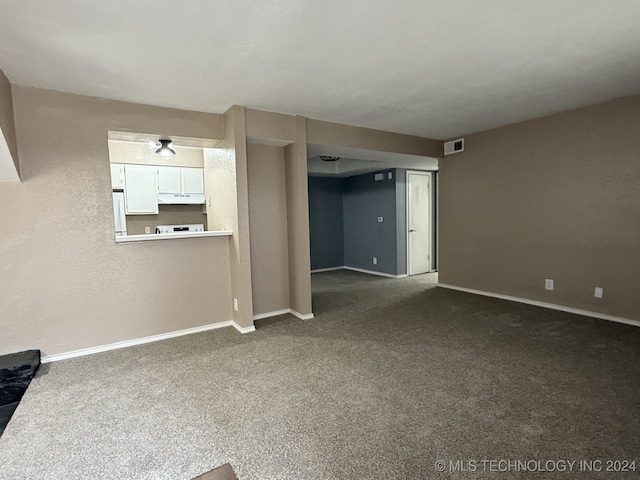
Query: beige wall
{"x": 167, "y": 215}
{"x": 7, "y": 125}
{"x": 139, "y": 154}
{"x": 557, "y": 197}
{"x": 270, "y": 128}
{"x": 338, "y": 135}
{"x": 225, "y": 171}
{"x": 295, "y": 160}
{"x": 65, "y": 283}
{"x": 268, "y": 228}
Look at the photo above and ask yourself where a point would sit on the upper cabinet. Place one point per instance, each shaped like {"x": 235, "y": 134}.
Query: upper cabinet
{"x": 117, "y": 176}
{"x": 169, "y": 180}
{"x": 141, "y": 189}
{"x": 181, "y": 185}
{"x": 181, "y": 180}
{"x": 193, "y": 181}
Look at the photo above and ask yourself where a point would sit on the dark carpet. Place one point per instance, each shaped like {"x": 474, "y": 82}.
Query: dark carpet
{"x": 390, "y": 378}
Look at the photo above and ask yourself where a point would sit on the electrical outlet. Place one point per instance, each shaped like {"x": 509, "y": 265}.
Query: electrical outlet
{"x": 380, "y": 219}
{"x": 235, "y": 304}
{"x": 147, "y": 229}
{"x": 548, "y": 284}
{"x": 598, "y": 292}
{"x": 375, "y": 260}
{"x": 389, "y": 175}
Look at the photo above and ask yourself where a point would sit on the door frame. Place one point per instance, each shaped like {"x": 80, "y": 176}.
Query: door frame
{"x": 430, "y": 209}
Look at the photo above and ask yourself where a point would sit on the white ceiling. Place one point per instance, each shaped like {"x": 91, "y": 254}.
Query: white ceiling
{"x": 430, "y": 68}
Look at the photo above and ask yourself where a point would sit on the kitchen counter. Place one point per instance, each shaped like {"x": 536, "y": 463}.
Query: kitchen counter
{"x": 171, "y": 236}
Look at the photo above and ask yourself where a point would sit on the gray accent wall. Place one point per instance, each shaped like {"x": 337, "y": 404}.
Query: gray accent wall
{"x": 326, "y": 224}
{"x": 364, "y": 236}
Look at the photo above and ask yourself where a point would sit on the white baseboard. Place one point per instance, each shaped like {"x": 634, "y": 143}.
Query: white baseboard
{"x": 137, "y": 341}
{"x": 330, "y": 269}
{"x": 361, "y": 270}
{"x": 552, "y": 306}
{"x": 275, "y": 313}
{"x": 372, "y": 272}
{"x": 250, "y": 329}
{"x": 301, "y": 316}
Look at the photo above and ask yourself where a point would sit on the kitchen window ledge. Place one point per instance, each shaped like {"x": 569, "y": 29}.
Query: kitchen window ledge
{"x": 171, "y": 236}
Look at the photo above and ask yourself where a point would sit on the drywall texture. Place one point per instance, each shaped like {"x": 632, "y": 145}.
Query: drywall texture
{"x": 338, "y": 135}
{"x": 225, "y": 171}
{"x": 167, "y": 215}
{"x": 366, "y": 199}
{"x": 326, "y": 222}
{"x": 557, "y": 197}
{"x": 268, "y": 229}
{"x": 270, "y": 128}
{"x": 7, "y": 125}
{"x": 65, "y": 283}
{"x": 139, "y": 154}
{"x": 295, "y": 160}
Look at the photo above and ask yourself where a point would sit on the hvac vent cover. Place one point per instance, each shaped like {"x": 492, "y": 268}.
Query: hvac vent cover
{"x": 454, "y": 146}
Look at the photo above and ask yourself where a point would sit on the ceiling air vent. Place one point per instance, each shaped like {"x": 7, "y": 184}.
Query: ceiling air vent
{"x": 454, "y": 146}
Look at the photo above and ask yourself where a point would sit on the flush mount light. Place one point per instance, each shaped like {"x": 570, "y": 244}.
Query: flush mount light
{"x": 325, "y": 158}
{"x": 165, "y": 149}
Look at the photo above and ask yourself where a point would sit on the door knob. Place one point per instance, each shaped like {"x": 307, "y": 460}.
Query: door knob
{"x": 412, "y": 230}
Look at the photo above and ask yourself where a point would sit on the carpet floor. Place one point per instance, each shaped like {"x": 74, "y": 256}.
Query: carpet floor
{"x": 392, "y": 376}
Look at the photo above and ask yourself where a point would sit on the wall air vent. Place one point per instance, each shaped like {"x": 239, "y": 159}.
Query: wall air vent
{"x": 454, "y": 146}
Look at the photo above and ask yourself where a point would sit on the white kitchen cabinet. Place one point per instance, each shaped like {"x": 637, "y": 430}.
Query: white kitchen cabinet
{"x": 117, "y": 176}
{"x": 141, "y": 189}
{"x": 192, "y": 181}
{"x": 169, "y": 180}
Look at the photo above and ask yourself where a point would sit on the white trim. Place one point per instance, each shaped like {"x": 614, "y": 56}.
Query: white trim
{"x": 284, "y": 311}
{"x": 145, "y": 237}
{"x": 301, "y": 316}
{"x": 131, "y": 343}
{"x": 318, "y": 270}
{"x": 275, "y": 313}
{"x": 371, "y": 272}
{"x": 250, "y": 329}
{"x": 361, "y": 270}
{"x": 552, "y": 306}
{"x": 430, "y": 214}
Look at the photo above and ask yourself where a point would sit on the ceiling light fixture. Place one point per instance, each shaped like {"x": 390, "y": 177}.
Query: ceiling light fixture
{"x": 165, "y": 149}
{"x": 326, "y": 158}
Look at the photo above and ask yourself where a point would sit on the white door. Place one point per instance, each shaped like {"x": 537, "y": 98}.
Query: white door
{"x": 418, "y": 224}
{"x": 141, "y": 189}
{"x": 169, "y": 180}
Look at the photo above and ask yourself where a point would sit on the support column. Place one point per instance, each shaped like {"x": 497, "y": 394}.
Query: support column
{"x": 298, "y": 222}
{"x": 227, "y": 187}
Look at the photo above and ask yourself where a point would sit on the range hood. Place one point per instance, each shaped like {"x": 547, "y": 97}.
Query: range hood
{"x": 181, "y": 199}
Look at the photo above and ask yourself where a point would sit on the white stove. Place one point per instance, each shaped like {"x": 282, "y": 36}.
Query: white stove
{"x": 193, "y": 227}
